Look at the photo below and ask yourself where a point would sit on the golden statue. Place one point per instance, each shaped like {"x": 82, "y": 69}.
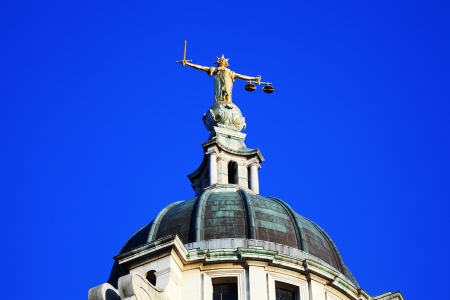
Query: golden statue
{"x": 223, "y": 82}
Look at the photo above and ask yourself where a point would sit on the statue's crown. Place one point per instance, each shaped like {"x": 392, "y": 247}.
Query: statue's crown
{"x": 221, "y": 60}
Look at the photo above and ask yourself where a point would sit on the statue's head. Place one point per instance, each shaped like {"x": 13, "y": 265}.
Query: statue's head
{"x": 222, "y": 61}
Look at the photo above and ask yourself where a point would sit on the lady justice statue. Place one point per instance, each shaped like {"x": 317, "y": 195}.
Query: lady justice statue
{"x": 223, "y": 82}
{"x": 224, "y": 113}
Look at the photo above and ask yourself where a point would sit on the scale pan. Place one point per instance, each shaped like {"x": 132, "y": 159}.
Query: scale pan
{"x": 250, "y": 87}
{"x": 268, "y": 89}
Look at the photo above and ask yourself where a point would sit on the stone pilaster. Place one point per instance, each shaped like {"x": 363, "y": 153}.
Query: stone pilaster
{"x": 316, "y": 288}
{"x": 257, "y": 283}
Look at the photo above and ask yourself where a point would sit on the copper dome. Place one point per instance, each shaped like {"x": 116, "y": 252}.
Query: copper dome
{"x": 238, "y": 214}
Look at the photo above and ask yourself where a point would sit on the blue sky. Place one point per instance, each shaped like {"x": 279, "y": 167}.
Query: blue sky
{"x": 99, "y": 128}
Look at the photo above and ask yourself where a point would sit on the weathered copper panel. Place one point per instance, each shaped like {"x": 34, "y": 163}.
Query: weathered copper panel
{"x": 177, "y": 220}
{"x": 138, "y": 239}
{"x": 273, "y": 222}
{"x": 224, "y": 216}
{"x": 317, "y": 243}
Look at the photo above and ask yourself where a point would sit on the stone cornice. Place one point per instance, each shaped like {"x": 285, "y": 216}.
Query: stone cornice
{"x": 150, "y": 249}
{"x": 228, "y": 187}
{"x": 247, "y": 152}
{"x": 249, "y": 255}
{"x": 389, "y": 296}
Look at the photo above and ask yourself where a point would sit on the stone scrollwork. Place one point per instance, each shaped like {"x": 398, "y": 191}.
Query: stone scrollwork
{"x": 226, "y": 115}
{"x": 136, "y": 287}
{"x": 103, "y": 292}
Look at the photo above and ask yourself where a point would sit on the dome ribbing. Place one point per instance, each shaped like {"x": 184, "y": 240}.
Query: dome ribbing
{"x": 224, "y": 213}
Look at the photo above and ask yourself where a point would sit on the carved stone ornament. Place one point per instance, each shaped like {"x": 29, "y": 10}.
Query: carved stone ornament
{"x": 136, "y": 287}
{"x": 103, "y": 292}
{"x": 226, "y": 115}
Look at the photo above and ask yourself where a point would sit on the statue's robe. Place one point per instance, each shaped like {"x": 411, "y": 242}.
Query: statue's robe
{"x": 223, "y": 83}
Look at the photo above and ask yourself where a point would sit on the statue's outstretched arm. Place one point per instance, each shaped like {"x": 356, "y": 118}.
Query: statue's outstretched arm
{"x": 198, "y": 67}
{"x": 244, "y": 77}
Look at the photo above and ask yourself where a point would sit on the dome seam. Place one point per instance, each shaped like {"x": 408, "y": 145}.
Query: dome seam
{"x": 249, "y": 214}
{"x": 198, "y": 234}
{"x": 332, "y": 245}
{"x": 155, "y": 226}
{"x": 300, "y": 235}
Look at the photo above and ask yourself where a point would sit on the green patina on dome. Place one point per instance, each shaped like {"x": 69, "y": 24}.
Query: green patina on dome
{"x": 238, "y": 214}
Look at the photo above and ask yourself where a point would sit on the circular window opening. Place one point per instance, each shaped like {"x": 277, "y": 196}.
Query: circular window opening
{"x": 151, "y": 277}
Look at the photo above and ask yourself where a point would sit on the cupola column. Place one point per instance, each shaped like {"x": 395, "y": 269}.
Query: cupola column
{"x": 222, "y": 170}
{"x": 254, "y": 180}
{"x": 242, "y": 175}
{"x": 212, "y": 169}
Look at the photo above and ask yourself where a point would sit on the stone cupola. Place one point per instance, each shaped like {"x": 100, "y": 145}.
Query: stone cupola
{"x": 226, "y": 160}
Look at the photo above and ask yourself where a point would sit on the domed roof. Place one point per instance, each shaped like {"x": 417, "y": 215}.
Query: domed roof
{"x": 234, "y": 212}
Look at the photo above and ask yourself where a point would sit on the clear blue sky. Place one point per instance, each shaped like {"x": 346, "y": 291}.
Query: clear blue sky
{"x": 99, "y": 128}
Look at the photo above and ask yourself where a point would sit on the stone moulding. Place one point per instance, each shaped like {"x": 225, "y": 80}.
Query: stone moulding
{"x": 389, "y": 296}
{"x": 103, "y": 291}
{"x": 300, "y": 283}
{"x": 134, "y": 286}
{"x": 220, "y": 187}
{"x": 255, "y": 253}
{"x": 222, "y": 254}
{"x": 246, "y": 152}
{"x": 239, "y": 274}
{"x": 241, "y": 250}
{"x": 162, "y": 244}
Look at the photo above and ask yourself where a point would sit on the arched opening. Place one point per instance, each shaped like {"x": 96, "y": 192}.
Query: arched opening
{"x": 232, "y": 168}
{"x": 151, "y": 277}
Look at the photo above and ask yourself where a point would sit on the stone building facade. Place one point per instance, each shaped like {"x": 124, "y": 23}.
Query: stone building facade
{"x": 228, "y": 242}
